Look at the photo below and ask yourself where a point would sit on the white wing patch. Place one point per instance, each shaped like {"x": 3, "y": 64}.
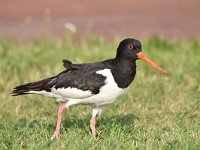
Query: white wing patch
{"x": 45, "y": 93}
{"x": 71, "y": 93}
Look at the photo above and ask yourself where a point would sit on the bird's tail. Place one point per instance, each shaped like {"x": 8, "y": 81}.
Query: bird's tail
{"x": 45, "y": 84}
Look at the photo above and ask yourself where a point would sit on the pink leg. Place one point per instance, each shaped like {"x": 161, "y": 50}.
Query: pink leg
{"x": 60, "y": 111}
{"x": 95, "y": 111}
{"x": 92, "y": 126}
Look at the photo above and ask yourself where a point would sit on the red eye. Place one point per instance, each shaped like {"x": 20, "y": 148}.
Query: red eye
{"x": 130, "y": 46}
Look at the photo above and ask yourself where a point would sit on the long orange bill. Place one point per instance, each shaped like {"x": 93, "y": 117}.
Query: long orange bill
{"x": 147, "y": 60}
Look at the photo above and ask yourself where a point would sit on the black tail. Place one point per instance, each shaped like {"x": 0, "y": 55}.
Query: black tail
{"x": 45, "y": 84}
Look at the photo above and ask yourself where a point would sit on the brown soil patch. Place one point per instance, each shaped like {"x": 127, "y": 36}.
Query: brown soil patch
{"x": 27, "y": 19}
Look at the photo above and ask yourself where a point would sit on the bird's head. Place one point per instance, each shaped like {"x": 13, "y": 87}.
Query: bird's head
{"x": 131, "y": 50}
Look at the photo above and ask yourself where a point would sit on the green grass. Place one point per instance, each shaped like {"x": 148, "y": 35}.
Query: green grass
{"x": 156, "y": 112}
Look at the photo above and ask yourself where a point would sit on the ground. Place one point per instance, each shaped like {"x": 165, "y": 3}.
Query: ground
{"x": 156, "y": 112}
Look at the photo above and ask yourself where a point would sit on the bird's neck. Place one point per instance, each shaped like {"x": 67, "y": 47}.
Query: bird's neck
{"x": 124, "y": 72}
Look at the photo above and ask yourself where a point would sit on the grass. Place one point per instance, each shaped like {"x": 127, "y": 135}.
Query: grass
{"x": 156, "y": 112}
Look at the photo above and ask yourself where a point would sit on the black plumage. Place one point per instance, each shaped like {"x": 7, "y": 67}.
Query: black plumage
{"x": 44, "y": 84}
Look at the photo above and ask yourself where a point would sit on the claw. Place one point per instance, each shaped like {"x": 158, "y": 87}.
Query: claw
{"x": 56, "y": 135}
{"x": 53, "y": 136}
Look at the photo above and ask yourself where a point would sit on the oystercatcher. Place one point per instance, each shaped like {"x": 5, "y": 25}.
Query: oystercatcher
{"x": 95, "y": 84}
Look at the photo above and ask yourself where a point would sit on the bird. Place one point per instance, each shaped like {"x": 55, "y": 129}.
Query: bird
{"x": 95, "y": 84}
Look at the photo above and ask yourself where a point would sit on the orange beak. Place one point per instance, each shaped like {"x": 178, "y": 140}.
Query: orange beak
{"x": 147, "y": 60}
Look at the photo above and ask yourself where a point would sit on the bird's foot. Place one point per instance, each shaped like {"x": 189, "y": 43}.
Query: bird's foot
{"x": 56, "y": 135}
{"x": 94, "y": 135}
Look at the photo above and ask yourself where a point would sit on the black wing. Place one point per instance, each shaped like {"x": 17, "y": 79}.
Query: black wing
{"x": 80, "y": 76}
{"x": 84, "y": 77}
{"x": 70, "y": 66}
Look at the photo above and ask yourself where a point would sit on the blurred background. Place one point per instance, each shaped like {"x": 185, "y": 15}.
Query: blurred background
{"x": 170, "y": 19}
{"x": 156, "y": 112}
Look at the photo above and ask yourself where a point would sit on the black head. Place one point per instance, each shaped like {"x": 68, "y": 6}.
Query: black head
{"x": 128, "y": 49}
